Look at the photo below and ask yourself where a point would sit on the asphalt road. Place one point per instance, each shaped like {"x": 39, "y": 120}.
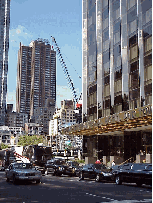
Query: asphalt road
{"x": 70, "y": 190}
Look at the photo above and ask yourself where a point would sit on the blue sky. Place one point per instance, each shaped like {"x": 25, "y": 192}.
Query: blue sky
{"x": 62, "y": 19}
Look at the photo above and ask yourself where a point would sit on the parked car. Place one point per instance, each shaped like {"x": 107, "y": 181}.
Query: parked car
{"x": 138, "y": 173}
{"x": 98, "y": 172}
{"x": 22, "y": 171}
{"x": 52, "y": 166}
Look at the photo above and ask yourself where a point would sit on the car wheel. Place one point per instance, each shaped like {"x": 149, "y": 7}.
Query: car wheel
{"x": 46, "y": 172}
{"x": 14, "y": 180}
{"x": 37, "y": 181}
{"x": 81, "y": 176}
{"x": 118, "y": 180}
{"x": 97, "y": 179}
{"x": 139, "y": 183}
{"x": 7, "y": 179}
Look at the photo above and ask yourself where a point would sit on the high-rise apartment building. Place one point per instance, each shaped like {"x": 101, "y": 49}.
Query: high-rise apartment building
{"x": 36, "y": 79}
{"x": 4, "y": 46}
{"x": 23, "y": 79}
{"x": 117, "y": 56}
{"x": 43, "y": 74}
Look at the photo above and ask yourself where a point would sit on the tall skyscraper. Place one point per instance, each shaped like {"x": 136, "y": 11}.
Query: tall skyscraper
{"x": 43, "y": 75}
{"x": 23, "y": 79}
{"x": 4, "y": 46}
{"x": 117, "y": 56}
{"x": 36, "y": 79}
{"x": 117, "y": 77}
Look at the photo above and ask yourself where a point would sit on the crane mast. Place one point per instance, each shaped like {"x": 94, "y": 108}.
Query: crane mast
{"x": 65, "y": 70}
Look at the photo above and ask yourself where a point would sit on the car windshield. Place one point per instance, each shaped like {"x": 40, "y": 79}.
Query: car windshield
{"x": 73, "y": 164}
{"x": 23, "y": 166}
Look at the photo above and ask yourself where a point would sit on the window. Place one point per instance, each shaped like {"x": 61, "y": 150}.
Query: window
{"x": 148, "y": 44}
{"x": 133, "y": 26}
{"x": 107, "y": 90}
{"x": 131, "y": 3}
{"x": 148, "y": 73}
{"x": 149, "y": 15}
{"x": 133, "y": 52}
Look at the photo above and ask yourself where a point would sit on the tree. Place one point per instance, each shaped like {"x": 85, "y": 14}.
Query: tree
{"x": 3, "y": 146}
{"x": 30, "y": 140}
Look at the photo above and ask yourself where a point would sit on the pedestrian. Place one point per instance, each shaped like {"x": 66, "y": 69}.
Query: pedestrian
{"x": 113, "y": 163}
{"x": 98, "y": 162}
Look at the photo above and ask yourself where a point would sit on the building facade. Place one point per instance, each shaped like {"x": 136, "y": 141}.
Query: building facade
{"x": 23, "y": 79}
{"x": 14, "y": 119}
{"x": 43, "y": 75}
{"x": 36, "y": 77}
{"x": 4, "y": 46}
{"x": 117, "y": 56}
{"x": 117, "y": 78}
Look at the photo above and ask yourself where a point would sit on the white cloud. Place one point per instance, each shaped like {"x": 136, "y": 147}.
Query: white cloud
{"x": 20, "y": 34}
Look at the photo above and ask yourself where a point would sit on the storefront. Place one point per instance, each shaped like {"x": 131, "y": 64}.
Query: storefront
{"x": 124, "y": 135}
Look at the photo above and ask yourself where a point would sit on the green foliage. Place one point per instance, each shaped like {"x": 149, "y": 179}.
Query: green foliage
{"x": 80, "y": 161}
{"x": 4, "y": 146}
{"x": 30, "y": 140}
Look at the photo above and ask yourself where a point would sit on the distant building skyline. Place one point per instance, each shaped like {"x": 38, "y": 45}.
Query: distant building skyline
{"x": 4, "y": 46}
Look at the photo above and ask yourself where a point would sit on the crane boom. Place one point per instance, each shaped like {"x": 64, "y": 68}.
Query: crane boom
{"x": 65, "y": 70}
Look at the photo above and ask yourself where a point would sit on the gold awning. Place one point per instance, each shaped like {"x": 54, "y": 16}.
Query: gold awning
{"x": 118, "y": 122}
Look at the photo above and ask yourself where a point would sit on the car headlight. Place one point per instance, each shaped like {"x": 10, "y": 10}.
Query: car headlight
{"x": 60, "y": 168}
{"x": 106, "y": 174}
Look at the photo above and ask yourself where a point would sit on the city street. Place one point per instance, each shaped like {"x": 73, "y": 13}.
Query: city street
{"x": 70, "y": 190}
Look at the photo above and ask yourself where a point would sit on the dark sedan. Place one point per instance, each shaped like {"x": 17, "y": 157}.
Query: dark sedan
{"x": 70, "y": 168}
{"x": 98, "y": 172}
{"x": 138, "y": 173}
{"x": 53, "y": 166}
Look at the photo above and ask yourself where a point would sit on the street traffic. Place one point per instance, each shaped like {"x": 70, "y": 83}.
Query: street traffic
{"x": 66, "y": 189}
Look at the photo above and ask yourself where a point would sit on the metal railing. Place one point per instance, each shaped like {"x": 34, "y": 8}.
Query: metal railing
{"x": 131, "y": 160}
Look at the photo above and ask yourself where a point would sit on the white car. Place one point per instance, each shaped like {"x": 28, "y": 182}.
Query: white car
{"x": 22, "y": 172}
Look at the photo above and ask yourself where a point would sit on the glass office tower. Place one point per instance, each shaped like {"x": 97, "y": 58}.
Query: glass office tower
{"x": 117, "y": 56}
{"x": 4, "y": 45}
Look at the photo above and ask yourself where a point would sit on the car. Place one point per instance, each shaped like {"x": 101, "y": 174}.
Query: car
{"x": 99, "y": 172}
{"x": 69, "y": 168}
{"x": 53, "y": 166}
{"x": 139, "y": 173}
{"x": 22, "y": 172}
